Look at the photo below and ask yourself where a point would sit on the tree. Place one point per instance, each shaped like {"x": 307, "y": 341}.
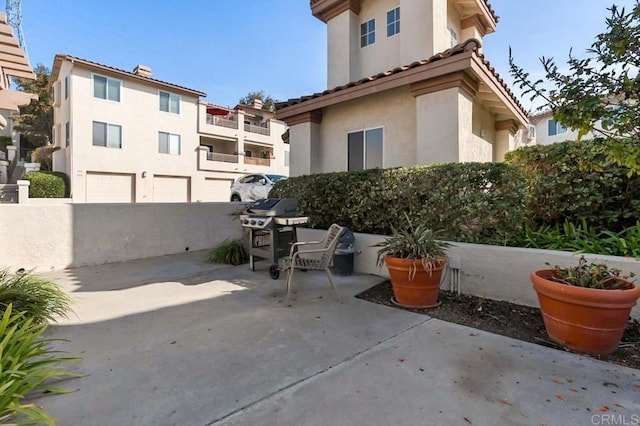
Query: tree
{"x": 268, "y": 103}
{"x": 35, "y": 120}
{"x": 600, "y": 93}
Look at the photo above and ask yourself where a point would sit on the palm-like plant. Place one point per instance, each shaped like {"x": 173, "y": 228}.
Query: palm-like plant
{"x": 417, "y": 242}
{"x": 38, "y": 298}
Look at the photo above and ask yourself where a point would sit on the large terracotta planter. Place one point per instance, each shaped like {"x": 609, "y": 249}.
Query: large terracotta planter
{"x": 584, "y": 319}
{"x": 419, "y": 291}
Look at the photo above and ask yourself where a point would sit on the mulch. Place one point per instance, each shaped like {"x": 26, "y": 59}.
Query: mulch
{"x": 508, "y": 319}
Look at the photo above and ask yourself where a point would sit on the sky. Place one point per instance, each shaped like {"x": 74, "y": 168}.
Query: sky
{"x": 229, "y": 48}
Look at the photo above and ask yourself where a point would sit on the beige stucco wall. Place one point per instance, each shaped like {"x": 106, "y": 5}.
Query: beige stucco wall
{"x": 494, "y": 272}
{"x": 139, "y": 115}
{"x": 481, "y": 144}
{"x": 393, "y": 110}
{"x": 91, "y": 234}
{"x": 424, "y": 31}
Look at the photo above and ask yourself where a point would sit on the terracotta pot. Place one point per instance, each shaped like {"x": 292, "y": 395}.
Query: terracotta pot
{"x": 585, "y": 320}
{"x": 419, "y": 291}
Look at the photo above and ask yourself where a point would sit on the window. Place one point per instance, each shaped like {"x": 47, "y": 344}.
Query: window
{"x": 169, "y": 102}
{"x": 556, "y": 128}
{"x": 105, "y": 134}
{"x": 67, "y": 137}
{"x": 393, "y": 22}
{"x": 106, "y": 88}
{"x": 168, "y": 143}
{"x": 66, "y": 87}
{"x": 364, "y": 150}
{"x": 454, "y": 37}
{"x": 368, "y": 33}
{"x": 286, "y": 158}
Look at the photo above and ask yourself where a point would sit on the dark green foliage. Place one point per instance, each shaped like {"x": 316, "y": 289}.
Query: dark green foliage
{"x": 582, "y": 239}
{"x": 47, "y": 184}
{"x": 470, "y": 202}
{"x": 28, "y": 363}
{"x": 38, "y": 299}
{"x": 589, "y": 275}
{"x": 577, "y": 181}
{"x": 229, "y": 252}
{"x": 601, "y": 92}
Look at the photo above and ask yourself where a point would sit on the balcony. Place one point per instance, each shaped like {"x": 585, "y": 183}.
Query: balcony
{"x": 257, "y": 161}
{"x": 230, "y": 121}
{"x": 256, "y": 129}
{"x": 225, "y": 158}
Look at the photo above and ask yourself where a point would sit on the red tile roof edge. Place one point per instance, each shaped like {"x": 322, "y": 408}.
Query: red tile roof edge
{"x": 471, "y": 44}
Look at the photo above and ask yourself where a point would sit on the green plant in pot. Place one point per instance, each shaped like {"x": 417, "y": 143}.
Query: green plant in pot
{"x": 585, "y": 307}
{"x": 415, "y": 258}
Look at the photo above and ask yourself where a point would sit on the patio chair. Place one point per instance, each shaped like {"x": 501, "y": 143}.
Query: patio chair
{"x": 317, "y": 258}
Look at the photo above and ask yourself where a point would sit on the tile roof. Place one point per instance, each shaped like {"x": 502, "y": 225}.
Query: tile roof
{"x": 486, "y": 2}
{"x": 469, "y": 45}
{"x": 91, "y": 64}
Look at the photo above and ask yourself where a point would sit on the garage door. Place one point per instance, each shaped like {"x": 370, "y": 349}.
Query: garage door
{"x": 217, "y": 190}
{"x": 110, "y": 188}
{"x": 171, "y": 189}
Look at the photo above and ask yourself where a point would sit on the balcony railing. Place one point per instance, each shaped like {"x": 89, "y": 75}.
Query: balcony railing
{"x": 226, "y": 158}
{"x": 217, "y": 120}
{"x": 256, "y": 129}
{"x": 257, "y": 161}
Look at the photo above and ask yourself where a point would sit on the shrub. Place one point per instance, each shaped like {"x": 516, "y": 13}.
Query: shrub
{"x": 471, "y": 202}
{"x": 39, "y": 300}
{"x": 582, "y": 238}
{"x": 45, "y": 184}
{"x": 575, "y": 181}
{"x": 230, "y": 252}
{"x": 26, "y": 362}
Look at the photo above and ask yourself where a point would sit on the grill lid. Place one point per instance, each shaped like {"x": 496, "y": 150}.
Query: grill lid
{"x": 282, "y": 207}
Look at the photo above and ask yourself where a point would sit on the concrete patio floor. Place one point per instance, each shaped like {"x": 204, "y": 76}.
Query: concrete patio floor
{"x": 177, "y": 341}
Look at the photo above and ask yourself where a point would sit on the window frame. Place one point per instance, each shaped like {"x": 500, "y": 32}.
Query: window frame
{"x": 393, "y": 27}
{"x": 368, "y": 33}
{"x": 66, "y": 87}
{"x": 169, "y": 135}
{"x": 364, "y": 146}
{"x": 108, "y": 79}
{"x": 67, "y": 134}
{"x": 106, "y": 135}
{"x": 160, "y": 92}
{"x": 558, "y": 129}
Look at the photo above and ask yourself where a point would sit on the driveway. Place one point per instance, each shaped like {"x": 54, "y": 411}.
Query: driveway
{"x": 178, "y": 341}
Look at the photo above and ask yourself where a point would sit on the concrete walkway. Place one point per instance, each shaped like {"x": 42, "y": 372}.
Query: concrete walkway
{"x": 177, "y": 341}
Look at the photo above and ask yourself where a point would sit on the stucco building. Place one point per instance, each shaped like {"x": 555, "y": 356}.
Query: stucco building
{"x": 548, "y": 130}
{"x": 127, "y": 137}
{"x": 407, "y": 84}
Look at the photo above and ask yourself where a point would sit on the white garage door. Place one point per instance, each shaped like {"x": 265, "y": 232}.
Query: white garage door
{"x": 171, "y": 189}
{"x": 217, "y": 190}
{"x": 110, "y": 188}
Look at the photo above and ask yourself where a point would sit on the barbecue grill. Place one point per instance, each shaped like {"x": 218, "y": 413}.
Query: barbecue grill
{"x": 272, "y": 223}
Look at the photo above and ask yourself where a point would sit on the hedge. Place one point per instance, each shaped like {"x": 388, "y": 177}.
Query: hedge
{"x": 471, "y": 202}
{"x": 575, "y": 182}
{"x": 45, "y": 184}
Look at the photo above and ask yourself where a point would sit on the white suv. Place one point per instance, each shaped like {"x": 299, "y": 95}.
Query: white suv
{"x": 253, "y": 187}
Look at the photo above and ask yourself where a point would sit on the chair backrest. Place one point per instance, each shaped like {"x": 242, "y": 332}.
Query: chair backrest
{"x": 331, "y": 242}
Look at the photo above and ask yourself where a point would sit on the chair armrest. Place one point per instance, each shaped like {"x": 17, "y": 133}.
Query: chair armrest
{"x": 294, "y": 245}
{"x": 311, "y": 251}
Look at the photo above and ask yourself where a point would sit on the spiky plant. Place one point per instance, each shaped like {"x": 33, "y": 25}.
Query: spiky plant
{"x": 39, "y": 299}
{"x": 230, "y": 252}
{"x": 417, "y": 242}
{"x": 27, "y": 361}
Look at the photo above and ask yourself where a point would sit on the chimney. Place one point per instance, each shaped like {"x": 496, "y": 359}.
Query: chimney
{"x": 256, "y": 103}
{"x": 142, "y": 71}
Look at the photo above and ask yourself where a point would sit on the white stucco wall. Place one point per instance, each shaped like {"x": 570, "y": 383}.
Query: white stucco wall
{"x": 424, "y": 31}
{"x": 542, "y": 132}
{"x": 494, "y": 272}
{"x": 52, "y": 236}
{"x": 393, "y": 110}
